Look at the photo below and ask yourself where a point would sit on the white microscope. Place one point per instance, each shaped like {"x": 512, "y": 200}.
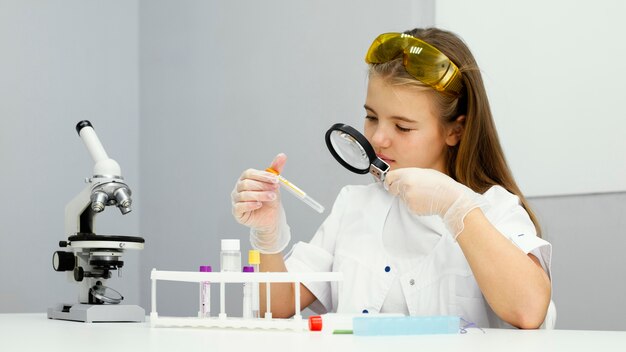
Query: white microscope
{"x": 91, "y": 258}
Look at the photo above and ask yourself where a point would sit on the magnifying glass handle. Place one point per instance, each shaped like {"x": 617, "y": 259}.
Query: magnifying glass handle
{"x": 379, "y": 169}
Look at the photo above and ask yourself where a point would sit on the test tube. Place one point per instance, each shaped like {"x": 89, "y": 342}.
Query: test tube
{"x": 300, "y": 194}
{"x": 254, "y": 259}
{"x": 230, "y": 261}
{"x": 247, "y": 294}
{"x": 205, "y": 294}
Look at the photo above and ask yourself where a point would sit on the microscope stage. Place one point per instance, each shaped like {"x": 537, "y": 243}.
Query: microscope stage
{"x": 105, "y": 241}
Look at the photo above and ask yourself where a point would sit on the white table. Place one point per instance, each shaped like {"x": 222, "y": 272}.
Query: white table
{"x": 34, "y": 332}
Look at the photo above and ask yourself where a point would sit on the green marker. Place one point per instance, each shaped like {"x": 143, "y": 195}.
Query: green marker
{"x": 342, "y": 332}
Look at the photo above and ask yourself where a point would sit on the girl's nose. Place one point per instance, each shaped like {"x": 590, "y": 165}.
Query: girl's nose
{"x": 380, "y": 138}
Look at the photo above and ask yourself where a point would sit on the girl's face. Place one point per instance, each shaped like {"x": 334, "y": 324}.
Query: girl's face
{"x": 402, "y": 127}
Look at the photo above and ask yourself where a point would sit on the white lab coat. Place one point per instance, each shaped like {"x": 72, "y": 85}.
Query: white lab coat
{"x": 440, "y": 283}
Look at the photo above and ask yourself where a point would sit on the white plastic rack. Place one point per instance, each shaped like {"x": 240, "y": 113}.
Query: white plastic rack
{"x": 222, "y": 320}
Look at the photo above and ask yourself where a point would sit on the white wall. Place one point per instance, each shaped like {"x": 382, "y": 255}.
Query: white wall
{"x": 553, "y": 70}
{"x": 61, "y": 62}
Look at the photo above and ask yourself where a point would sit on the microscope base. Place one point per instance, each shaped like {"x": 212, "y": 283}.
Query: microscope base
{"x": 92, "y": 313}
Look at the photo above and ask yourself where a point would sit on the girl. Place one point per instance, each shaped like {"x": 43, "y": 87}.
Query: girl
{"x": 449, "y": 233}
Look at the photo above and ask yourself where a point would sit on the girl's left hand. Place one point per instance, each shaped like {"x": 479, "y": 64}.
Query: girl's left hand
{"x": 430, "y": 192}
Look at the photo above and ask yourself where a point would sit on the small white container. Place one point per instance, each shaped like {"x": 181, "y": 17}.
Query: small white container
{"x": 230, "y": 256}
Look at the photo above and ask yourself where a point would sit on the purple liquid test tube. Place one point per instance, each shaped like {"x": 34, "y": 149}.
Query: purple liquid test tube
{"x": 205, "y": 294}
{"x": 247, "y": 294}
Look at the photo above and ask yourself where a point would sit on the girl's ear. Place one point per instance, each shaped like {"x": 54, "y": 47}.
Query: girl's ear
{"x": 455, "y": 131}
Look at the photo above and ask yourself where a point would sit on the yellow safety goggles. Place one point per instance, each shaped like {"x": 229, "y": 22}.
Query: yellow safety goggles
{"x": 420, "y": 59}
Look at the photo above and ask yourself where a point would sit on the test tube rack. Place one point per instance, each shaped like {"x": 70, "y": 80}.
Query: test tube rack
{"x": 296, "y": 323}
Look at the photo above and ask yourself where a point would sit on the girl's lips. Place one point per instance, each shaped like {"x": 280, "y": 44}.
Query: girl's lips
{"x": 385, "y": 158}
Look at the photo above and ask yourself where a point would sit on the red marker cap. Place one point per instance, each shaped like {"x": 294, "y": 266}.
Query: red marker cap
{"x": 315, "y": 323}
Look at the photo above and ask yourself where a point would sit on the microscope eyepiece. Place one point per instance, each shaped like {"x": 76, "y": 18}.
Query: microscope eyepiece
{"x": 83, "y": 123}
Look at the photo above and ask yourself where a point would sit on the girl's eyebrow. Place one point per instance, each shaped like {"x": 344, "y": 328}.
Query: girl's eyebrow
{"x": 401, "y": 118}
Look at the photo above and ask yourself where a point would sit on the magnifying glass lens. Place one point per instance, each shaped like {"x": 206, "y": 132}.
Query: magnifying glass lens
{"x": 349, "y": 150}
{"x": 352, "y": 150}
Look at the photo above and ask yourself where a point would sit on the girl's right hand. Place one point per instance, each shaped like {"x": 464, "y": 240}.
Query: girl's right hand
{"x": 256, "y": 198}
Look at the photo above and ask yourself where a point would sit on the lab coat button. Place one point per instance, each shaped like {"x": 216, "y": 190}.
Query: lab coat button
{"x": 365, "y": 311}
{"x": 387, "y": 269}
{"x": 412, "y": 282}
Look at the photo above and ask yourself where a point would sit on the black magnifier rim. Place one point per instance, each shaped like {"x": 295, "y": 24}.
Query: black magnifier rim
{"x": 371, "y": 155}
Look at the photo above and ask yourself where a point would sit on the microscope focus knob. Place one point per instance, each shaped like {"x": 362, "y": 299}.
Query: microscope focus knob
{"x": 63, "y": 261}
{"x": 79, "y": 274}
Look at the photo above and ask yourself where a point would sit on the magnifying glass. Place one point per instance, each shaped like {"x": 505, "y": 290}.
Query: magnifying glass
{"x": 354, "y": 152}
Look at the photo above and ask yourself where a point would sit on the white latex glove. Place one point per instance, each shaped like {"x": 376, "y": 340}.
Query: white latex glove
{"x": 256, "y": 204}
{"x": 430, "y": 192}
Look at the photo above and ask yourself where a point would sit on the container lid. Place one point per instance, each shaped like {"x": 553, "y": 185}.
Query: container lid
{"x": 230, "y": 245}
{"x": 269, "y": 169}
{"x": 205, "y": 269}
{"x": 315, "y": 323}
{"x": 248, "y": 269}
{"x": 254, "y": 257}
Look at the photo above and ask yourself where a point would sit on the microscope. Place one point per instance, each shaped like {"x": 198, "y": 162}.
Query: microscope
{"x": 90, "y": 259}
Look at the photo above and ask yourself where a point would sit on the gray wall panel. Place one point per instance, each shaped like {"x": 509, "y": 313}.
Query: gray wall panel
{"x": 223, "y": 90}
{"x": 61, "y": 63}
{"x": 588, "y": 236}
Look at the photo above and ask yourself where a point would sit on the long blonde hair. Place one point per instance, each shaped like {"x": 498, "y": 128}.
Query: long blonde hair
{"x": 477, "y": 160}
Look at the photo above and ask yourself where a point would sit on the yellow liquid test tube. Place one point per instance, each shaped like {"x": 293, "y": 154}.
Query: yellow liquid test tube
{"x": 300, "y": 194}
